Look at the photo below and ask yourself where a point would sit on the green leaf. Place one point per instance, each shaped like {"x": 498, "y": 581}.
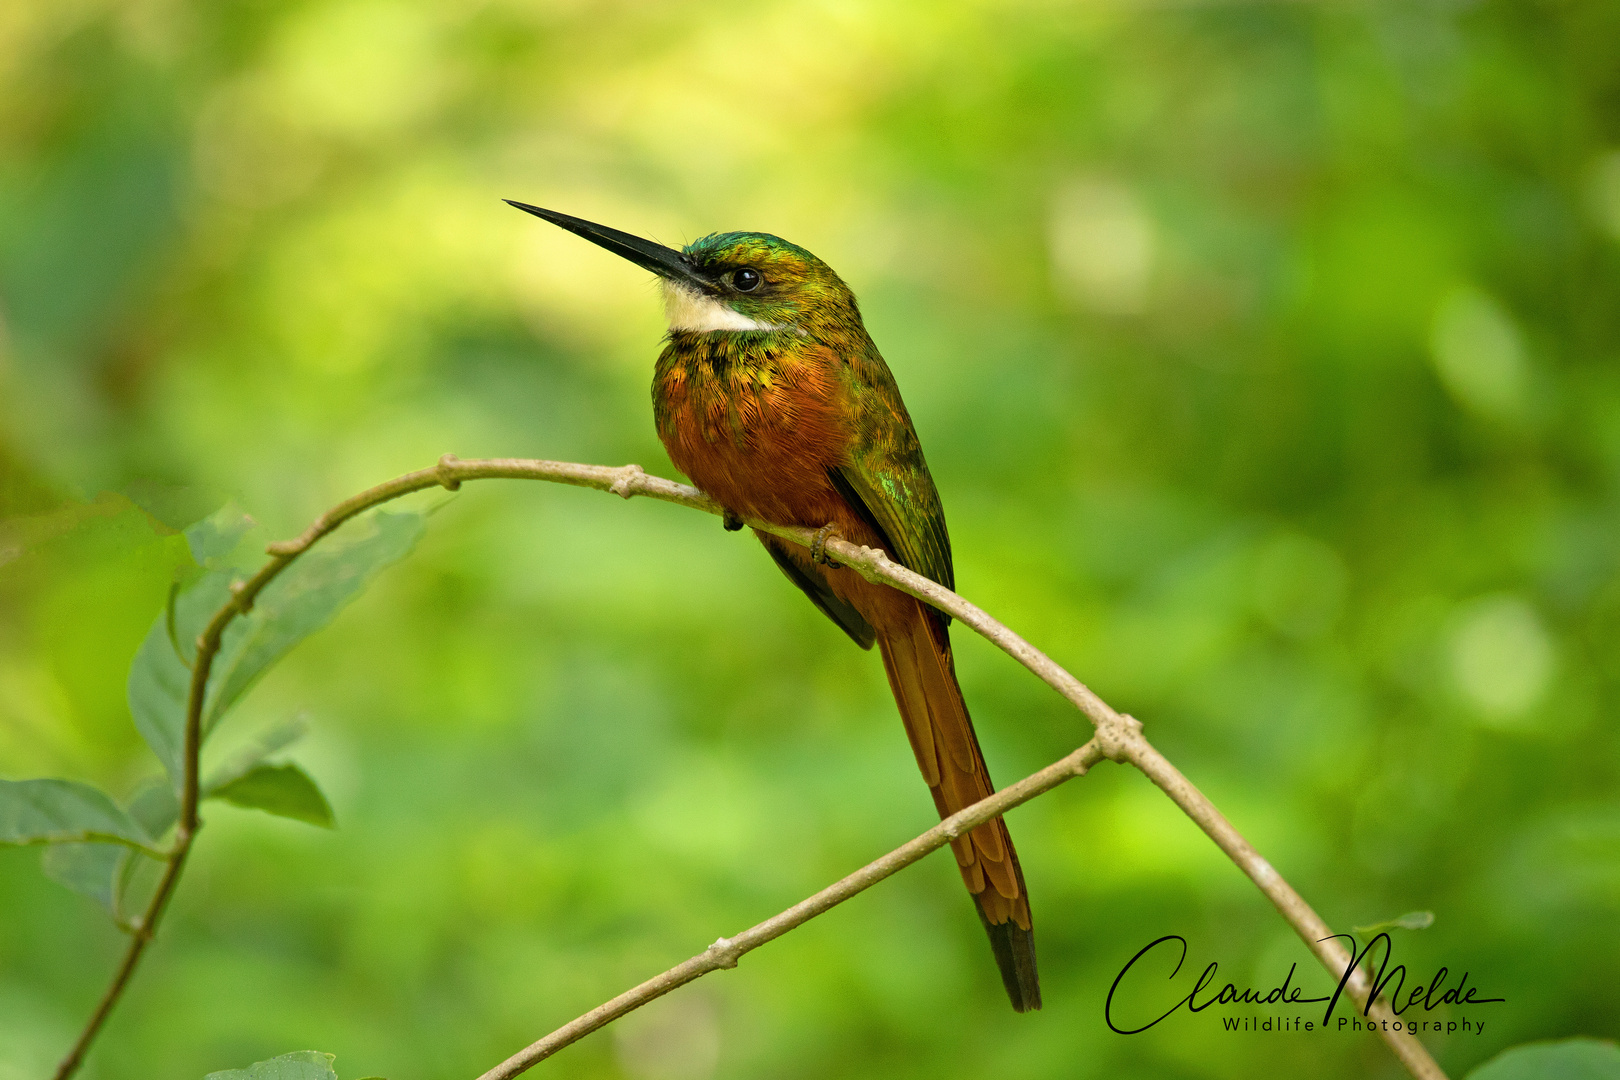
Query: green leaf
{"x": 92, "y": 870}
{"x": 104, "y": 872}
{"x": 1570, "y": 1059}
{"x": 295, "y": 605}
{"x": 62, "y": 811}
{"x": 272, "y": 739}
{"x": 301, "y": 601}
{"x": 155, "y": 807}
{"x": 1412, "y": 920}
{"x": 283, "y": 790}
{"x": 217, "y": 535}
{"x": 110, "y": 874}
{"x": 160, "y": 678}
{"x": 300, "y": 1065}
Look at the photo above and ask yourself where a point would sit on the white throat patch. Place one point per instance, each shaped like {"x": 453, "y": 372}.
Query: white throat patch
{"x": 687, "y": 309}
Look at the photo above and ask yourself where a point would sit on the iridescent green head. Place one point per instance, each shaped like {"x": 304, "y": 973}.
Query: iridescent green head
{"x": 757, "y": 281}
{"x": 730, "y": 282}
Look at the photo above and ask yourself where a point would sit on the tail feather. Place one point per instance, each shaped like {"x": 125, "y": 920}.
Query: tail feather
{"x": 1014, "y": 949}
{"x": 900, "y": 662}
{"x": 923, "y": 679}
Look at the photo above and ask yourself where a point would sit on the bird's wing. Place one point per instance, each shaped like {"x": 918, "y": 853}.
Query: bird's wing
{"x": 896, "y": 496}
{"x": 884, "y": 477}
{"x": 815, "y": 586}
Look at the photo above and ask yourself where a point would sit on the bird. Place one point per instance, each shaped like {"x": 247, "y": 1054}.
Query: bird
{"x": 772, "y": 398}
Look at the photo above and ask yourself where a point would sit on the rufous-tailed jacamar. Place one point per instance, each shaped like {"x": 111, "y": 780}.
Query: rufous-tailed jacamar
{"x": 773, "y": 399}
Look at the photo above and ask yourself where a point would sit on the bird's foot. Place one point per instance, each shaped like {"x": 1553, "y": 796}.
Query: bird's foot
{"x": 730, "y": 522}
{"x": 818, "y": 545}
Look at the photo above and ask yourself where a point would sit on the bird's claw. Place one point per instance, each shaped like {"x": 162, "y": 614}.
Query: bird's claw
{"x": 730, "y": 522}
{"x": 818, "y": 545}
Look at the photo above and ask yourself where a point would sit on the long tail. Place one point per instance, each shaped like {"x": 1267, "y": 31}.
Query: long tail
{"x": 923, "y": 678}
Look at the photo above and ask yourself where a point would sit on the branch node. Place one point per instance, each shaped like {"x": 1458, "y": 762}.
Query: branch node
{"x": 238, "y": 590}
{"x": 868, "y": 562}
{"x": 722, "y": 953}
{"x": 443, "y": 474}
{"x": 281, "y": 549}
{"x": 1119, "y": 736}
{"x": 630, "y": 478}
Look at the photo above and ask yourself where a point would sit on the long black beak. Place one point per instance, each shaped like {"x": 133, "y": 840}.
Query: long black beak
{"x": 665, "y": 262}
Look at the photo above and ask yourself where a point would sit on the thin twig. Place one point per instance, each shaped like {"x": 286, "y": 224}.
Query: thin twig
{"x": 140, "y": 937}
{"x": 1118, "y": 737}
{"x": 725, "y": 952}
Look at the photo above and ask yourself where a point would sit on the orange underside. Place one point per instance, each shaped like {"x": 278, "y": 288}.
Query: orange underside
{"x": 762, "y": 449}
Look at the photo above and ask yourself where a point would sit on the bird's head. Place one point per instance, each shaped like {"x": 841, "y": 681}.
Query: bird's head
{"x": 734, "y": 281}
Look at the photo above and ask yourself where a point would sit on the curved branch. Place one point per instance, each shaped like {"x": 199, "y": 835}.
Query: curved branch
{"x": 448, "y": 473}
{"x": 1118, "y": 737}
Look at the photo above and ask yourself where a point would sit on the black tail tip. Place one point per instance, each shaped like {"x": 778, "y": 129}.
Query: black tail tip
{"x": 1014, "y": 948}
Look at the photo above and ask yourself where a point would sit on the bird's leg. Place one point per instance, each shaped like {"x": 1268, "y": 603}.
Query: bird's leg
{"x": 730, "y": 522}
{"x": 818, "y": 545}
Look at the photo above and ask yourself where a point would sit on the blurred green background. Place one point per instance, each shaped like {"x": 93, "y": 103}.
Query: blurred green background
{"x": 1266, "y": 359}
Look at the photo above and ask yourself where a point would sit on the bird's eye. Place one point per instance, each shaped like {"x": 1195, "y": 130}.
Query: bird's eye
{"x": 745, "y": 280}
